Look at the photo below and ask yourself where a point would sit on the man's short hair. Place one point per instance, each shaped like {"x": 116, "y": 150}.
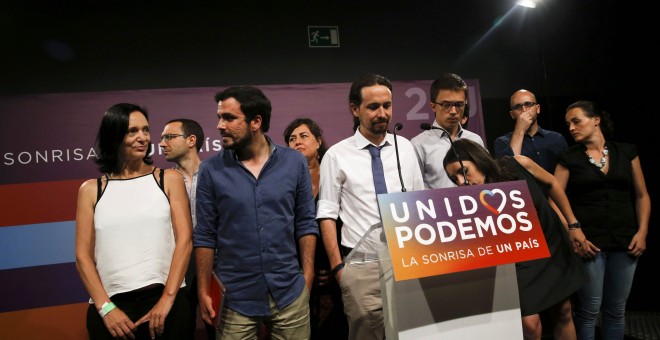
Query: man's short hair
{"x": 191, "y": 128}
{"x": 253, "y": 103}
{"x": 448, "y": 81}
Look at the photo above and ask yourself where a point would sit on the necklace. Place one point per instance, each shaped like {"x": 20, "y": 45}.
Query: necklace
{"x": 603, "y": 160}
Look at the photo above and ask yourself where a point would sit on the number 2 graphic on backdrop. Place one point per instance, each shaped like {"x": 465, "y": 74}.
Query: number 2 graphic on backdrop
{"x": 415, "y": 112}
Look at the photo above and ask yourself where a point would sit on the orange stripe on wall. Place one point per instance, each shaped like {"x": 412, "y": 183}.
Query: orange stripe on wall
{"x": 63, "y": 322}
{"x": 41, "y": 202}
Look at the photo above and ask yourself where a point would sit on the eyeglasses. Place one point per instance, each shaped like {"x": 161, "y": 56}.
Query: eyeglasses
{"x": 447, "y": 105}
{"x": 169, "y": 136}
{"x": 518, "y": 107}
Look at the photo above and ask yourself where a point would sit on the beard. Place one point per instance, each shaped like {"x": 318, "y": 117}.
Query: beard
{"x": 378, "y": 127}
{"x": 237, "y": 143}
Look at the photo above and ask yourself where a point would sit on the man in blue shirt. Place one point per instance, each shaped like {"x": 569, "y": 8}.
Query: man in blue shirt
{"x": 528, "y": 138}
{"x": 254, "y": 202}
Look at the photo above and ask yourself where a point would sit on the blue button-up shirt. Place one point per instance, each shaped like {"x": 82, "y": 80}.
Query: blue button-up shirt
{"x": 255, "y": 224}
{"x": 544, "y": 148}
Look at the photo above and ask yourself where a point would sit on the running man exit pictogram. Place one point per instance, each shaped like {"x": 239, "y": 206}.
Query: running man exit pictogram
{"x": 323, "y": 36}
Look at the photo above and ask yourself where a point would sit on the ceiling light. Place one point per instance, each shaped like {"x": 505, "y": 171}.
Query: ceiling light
{"x": 526, "y": 3}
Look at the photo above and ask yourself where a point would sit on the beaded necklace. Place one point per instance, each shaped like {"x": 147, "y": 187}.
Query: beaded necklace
{"x": 603, "y": 160}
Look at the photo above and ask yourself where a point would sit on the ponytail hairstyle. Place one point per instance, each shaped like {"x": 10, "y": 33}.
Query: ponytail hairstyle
{"x": 592, "y": 110}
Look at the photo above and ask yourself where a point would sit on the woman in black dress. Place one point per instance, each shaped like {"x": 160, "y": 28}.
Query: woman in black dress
{"x": 543, "y": 284}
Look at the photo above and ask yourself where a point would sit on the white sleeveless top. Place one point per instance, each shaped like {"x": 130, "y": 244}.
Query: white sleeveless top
{"x": 134, "y": 236}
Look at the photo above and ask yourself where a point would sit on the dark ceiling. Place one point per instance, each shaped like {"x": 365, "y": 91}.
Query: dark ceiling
{"x": 72, "y": 46}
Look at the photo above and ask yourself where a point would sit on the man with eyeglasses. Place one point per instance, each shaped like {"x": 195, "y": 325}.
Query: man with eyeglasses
{"x": 528, "y": 138}
{"x": 449, "y": 94}
{"x": 180, "y": 142}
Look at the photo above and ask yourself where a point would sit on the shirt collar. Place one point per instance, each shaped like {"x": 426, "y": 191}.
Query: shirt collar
{"x": 178, "y": 168}
{"x": 362, "y": 142}
{"x": 272, "y": 145}
{"x": 540, "y": 131}
{"x": 442, "y": 133}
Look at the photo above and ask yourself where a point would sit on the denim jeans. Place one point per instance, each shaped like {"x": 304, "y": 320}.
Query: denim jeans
{"x": 610, "y": 279}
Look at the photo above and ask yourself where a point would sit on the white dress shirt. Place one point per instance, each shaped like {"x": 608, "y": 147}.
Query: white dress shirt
{"x": 431, "y": 146}
{"x": 347, "y": 187}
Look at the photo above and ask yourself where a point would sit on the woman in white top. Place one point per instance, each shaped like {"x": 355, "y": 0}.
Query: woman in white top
{"x": 133, "y": 236}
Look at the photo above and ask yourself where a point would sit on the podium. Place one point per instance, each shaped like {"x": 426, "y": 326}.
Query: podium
{"x": 474, "y": 304}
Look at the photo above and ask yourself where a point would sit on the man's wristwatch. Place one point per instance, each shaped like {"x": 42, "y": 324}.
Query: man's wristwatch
{"x": 337, "y": 268}
{"x": 575, "y": 225}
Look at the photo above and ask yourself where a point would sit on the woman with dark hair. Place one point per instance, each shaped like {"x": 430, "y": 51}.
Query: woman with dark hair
{"x": 327, "y": 320}
{"x": 606, "y": 187}
{"x": 133, "y": 236}
{"x": 304, "y": 135}
{"x": 544, "y": 285}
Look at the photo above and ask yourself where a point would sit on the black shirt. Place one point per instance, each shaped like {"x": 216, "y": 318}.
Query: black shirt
{"x": 603, "y": 203}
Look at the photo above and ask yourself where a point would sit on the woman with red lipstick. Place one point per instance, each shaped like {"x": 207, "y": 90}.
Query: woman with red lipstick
{"x": 605, "y": 184}
{"x": 133, "y": 236}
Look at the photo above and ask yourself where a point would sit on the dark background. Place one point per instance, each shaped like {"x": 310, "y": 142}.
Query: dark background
{"x": 563, "y": 51}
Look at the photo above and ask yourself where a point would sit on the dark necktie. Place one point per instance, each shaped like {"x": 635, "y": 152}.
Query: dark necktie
{"x": 377, "y": 170}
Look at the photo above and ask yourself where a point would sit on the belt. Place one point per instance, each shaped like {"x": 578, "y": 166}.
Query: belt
{"x": 358, "y": 256}
{"x": 344, "y": 250}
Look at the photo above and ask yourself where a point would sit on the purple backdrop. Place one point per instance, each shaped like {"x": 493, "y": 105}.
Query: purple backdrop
{"x": 50, "y": 137}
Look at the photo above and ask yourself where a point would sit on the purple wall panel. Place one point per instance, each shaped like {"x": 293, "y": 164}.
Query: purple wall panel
{"x": 50, "y": 136}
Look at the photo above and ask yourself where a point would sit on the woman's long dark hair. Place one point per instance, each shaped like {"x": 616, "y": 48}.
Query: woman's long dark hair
{"x": 467, "y": 150}
{"x": 111, "y": 134}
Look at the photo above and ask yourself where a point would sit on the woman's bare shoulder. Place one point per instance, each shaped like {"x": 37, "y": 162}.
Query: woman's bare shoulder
{"x": 89, "y": 185}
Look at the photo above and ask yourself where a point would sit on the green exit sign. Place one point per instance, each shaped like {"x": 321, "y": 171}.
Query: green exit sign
{"x": 323, "y": 36}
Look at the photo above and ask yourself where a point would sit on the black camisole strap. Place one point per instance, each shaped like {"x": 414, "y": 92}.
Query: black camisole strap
{"x": 162, "y": 179}
{"x": 99, "y": 187}
{"x": 99, "y": 183}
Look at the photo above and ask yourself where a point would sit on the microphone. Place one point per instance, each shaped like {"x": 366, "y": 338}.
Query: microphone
{"x": 427, "y": 126}
{"x": 398, "y": 126}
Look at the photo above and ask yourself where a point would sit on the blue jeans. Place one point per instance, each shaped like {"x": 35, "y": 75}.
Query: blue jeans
{"x": 610, "y": 279}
